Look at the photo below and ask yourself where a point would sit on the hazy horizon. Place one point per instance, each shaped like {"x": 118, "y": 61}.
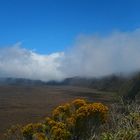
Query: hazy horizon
{"x": 53, "y": 40}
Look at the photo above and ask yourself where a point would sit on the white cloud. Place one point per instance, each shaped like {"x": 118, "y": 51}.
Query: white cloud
{"x": 98, "y": 56}
{"x": 91, "y": 56}
{"x": 22, "y": 63}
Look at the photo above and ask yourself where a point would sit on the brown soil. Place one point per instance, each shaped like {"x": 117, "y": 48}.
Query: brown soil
{"x": 21, "y": 105}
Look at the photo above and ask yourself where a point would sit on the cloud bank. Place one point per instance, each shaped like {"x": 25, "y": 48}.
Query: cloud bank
{"x": 91, "y": 56}
{"x": 22, "y": 63}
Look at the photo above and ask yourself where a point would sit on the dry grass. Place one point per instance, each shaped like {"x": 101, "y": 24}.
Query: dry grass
{"x": 31, "y": 104}
{"x": 83, "y": 120}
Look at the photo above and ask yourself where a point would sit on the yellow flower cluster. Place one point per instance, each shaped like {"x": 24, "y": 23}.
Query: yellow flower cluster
{"x": 58, "y": 130}
{"x": 50, "y": 122}
{"x": 31, "y": 128}
{"x": 61, "y": 112}
{"x": 95, "y": 111}
{"x": 71, "y": 121}
{"x": 78, "y": 103}
{"x": 39, "y": 136}
{"x": 28, "y": 130}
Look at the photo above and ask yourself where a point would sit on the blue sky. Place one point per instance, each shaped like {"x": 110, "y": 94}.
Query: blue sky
{"x": 108, "y": 33}
{"x": 53, "y": 25}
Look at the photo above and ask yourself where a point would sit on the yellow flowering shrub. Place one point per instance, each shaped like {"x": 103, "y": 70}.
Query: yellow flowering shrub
{"x": 82, "y": 120}
{"x": 28, "y": 131}
{"x": 60, "y": 132}
{"x": 31, "y": 128}
{"x": 71, "y": 121}
{"x": 61, "y": 112}
{"x": 88, "y": 117}
{"x": 56, "y": 130}
{"x": 95, "y": 110}
{"x": 80, "y": 116}
{"x": 78, "y": 103}
{"x": 40, "y": 136}
{"x": 74, "y": 120}
{"x": 49, "y": 122}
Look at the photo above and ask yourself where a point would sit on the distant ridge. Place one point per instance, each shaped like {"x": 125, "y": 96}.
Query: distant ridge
{"x": 129, "y": 87}
{"x": 108, "y": 83}
{"x": 20, "y": 82}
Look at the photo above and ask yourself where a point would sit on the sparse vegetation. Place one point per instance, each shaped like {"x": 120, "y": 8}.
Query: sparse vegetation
{"x": 115, "y": 119}
{"x": 83, "y": 120}
{"x": 123, "y": 123}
